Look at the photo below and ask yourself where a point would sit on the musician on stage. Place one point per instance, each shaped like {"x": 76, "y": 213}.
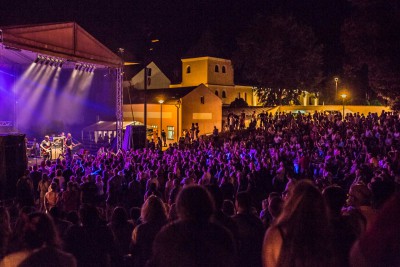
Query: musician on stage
{"x": 68, "y": 145}
{"x": 45, "y": 148}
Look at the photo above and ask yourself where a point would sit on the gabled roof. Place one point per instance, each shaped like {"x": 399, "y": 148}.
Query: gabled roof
{"x": 65, "y": 40}
{"x": 169, "y": 95}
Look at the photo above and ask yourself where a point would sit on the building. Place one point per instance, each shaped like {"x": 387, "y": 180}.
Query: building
{"x": 175, "y": 109}
{"x": 199, "y": 74}
{"x": 218, "y": 75}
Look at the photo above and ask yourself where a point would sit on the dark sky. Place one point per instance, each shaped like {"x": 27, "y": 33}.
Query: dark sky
{"x": 177, "y": 24}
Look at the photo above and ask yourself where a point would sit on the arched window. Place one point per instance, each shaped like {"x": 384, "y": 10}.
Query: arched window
{"x": 216, "y": 92}
{"x": 188, "y": 69}
{"x": 223, "y": 69}
{"x": 216, "y": 68}
{"x": 223, "y": 94}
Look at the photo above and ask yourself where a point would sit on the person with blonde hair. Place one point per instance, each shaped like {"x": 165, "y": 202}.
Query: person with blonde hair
{"x": 51, "y": 197}
{"x": 154, "y": 217}
{"x": 301, "y": 235}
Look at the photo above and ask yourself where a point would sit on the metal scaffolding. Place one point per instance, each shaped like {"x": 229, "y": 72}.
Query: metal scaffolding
{"x": 119, "y": 104}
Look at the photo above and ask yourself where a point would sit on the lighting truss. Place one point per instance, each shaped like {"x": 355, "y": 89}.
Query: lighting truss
{"x": 85, "y": 67}
{"x": 49, "y": 61}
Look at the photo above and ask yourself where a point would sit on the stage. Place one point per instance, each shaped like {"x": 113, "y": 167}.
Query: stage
{"x": 56, "y": 78}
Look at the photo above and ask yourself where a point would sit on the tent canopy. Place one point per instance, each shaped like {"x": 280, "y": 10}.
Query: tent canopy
{"x": 107, "y": 126}
{"x": 64, "y": 40}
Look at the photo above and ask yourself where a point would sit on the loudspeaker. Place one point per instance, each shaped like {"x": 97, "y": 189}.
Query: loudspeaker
{"x": 13, "y": 163}
{"x": 135, "y": 136}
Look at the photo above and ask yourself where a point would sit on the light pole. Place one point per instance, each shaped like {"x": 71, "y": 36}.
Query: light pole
{"x": 161, "y": 102}
{"x": 343, "y": 97}
{"x": 336, "y": 83}
{"x": 177, "y": 105}
{"x": 147, "y": 73}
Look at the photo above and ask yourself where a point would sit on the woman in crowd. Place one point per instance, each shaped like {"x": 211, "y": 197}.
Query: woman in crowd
{"x": 121, "y": 229}
{"x": 301, "y": 235}
{"x": 42, "y": 230}
{"x": 153, "y": 217}
{"x": 5, "y": 231}
{"x": 43, "y": 188}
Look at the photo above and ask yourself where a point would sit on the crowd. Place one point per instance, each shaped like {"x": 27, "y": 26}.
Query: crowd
{"x": 292, "y": 190}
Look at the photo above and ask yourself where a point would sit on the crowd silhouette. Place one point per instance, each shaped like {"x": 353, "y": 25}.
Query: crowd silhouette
{"x": 291, "y": 190}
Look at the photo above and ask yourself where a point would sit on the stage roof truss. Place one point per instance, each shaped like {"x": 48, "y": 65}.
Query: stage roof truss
{"x": 68, "y": 41}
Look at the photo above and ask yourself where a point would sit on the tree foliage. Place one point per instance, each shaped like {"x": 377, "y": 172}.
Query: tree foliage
{"x": 280, "y": 57}
{"x": 371, "y": 38}
{"x": 239, "y": 103}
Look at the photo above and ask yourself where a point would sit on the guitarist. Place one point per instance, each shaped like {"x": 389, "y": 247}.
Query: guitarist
{"x": 68, "y": 145}
{"x": 45, "y": 148}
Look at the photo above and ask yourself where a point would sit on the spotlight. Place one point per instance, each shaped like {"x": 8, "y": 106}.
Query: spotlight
{"x": 61, "y": 64}
{"x": 37, "y": 60}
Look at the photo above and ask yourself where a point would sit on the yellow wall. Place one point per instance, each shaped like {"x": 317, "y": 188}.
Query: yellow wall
{"x": 207, "y": 115}
{"x": 198, "y": 71}
{"x": 169, "y": 115}
{"x": 353, "y": 109}
{"x": 202, "y": 71}
{"x": 220, "y": 78}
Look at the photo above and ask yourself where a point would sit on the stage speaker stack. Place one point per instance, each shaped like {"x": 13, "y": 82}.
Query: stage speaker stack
{"x": 134, "y": 137}
{"x": 13, "y": 163}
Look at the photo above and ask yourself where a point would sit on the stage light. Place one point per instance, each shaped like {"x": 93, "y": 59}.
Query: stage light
{"x": 37, "y": 60}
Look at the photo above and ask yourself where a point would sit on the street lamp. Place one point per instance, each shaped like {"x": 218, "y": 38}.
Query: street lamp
{"x": 177, "y": 105}
{"x": 343, "y": 97}
{"x": 161, "y": 102}
{"x": 336, "y": 83}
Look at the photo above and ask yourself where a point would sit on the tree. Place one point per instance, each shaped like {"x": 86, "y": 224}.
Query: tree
{"x": 371, "y": 40}
{"x": 280, "y": 57}
{"x": 239, "y": 103}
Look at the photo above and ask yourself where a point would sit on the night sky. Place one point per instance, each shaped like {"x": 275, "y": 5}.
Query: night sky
{"x": 179, "y": 24}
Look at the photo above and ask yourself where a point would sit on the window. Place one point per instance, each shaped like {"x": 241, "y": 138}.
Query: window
{"x": 202, "y": 99}
{"x": 216, "y": 68}
{"x": 223, "y": 94}
{"x": 170, "y": 132}
{"x": 216, "y": 92}
{"x": 148, "y": 71}
{"x": 239, "y": 95}
{"x": 223, "y": 69}
{"x": 188, "y": 69}
{"x": 245, "y": 97}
